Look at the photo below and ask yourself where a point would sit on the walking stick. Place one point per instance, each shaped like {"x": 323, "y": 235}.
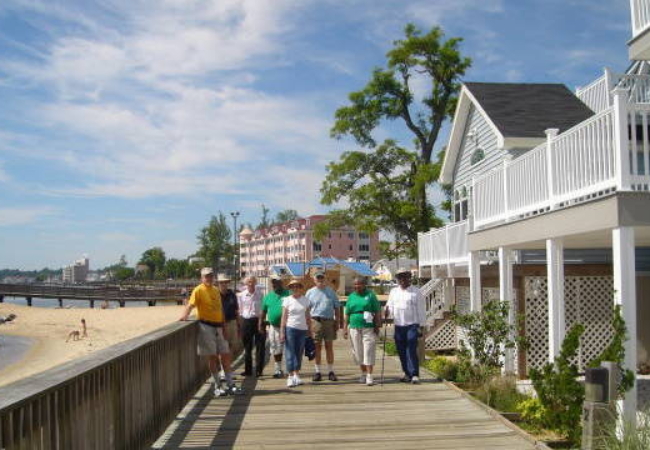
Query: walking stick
{"x": 383, "y": 356}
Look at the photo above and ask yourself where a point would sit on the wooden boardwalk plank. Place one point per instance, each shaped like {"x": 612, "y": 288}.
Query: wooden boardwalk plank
{"x": 343, "y": 414}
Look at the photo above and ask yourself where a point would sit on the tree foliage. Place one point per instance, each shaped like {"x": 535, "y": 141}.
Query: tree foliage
{"x": 386, "y": 188}
{"x": 286, "y": 216}
{"x": 265, "y": 222}
{"x": 154, "y": 258}
{"x": 215, "y": 245}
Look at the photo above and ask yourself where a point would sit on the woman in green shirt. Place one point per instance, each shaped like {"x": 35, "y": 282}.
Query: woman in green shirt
{"x": 362, "y": 323}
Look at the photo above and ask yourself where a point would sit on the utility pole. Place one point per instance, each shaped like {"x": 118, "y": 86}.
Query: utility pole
{"x": 235, "y": 239}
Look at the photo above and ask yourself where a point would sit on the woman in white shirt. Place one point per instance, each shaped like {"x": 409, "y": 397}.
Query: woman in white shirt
{"x": 295, "y": 325}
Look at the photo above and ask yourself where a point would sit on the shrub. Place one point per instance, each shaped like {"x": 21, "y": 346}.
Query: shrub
{"x": 560, "y": 393}
{"x": 532, "y": 411}
{"x": 445, "y": 368}
{"x": 500, "y": 392}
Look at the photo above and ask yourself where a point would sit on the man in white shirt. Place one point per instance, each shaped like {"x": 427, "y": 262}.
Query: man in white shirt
{"x": 250, "y": 311}
{"x": 407, "y": 307}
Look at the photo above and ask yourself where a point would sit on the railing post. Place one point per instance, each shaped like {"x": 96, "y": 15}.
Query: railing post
{"x": 621, "y": 140}
{"x": 609, "y": 85}
{"x": 472, "y": 206}
{"x": 551, "y": 134}
{"x": 505, "y": 190}
{"x": 449, "y": 266}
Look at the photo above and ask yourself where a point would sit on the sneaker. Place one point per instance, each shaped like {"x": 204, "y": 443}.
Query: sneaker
{"x": 362, "y": 379}
{"x": 369, "y": 380}
{"x": 290, "y": 381}
{"x": 278, "y": 373}
{"x": 234, "y": 390}
{"x": 245, "y": 374}
{"x": 298, "y": 380}
{"x": 317, "y": 377}
{"x": 332, "y": 376}
{"x": 405, "y": 379}
{"x": 415, "y": 380}
{"x": 219, "y": 391}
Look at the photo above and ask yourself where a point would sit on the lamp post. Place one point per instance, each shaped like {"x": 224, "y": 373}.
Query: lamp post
{"x": 235, "y": 239}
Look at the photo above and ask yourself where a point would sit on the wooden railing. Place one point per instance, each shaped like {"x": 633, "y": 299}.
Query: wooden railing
{"x": 122, "y": 397}
{"x": 640, "y": 16}
{"x": 112, "y": 293}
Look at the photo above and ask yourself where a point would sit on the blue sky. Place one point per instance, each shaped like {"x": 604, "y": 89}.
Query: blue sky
{"x": 126, "y": 124}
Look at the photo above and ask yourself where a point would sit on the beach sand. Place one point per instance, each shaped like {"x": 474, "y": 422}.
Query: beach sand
{"x": 50, "y": 327}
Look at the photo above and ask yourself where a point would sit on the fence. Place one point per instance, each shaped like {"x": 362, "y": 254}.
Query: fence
{"x": 443, "y": 245}
{"x": 122, "y": 397}
{"x": 640, "y": 16}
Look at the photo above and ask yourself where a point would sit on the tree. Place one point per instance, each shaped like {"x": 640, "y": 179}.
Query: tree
{"x": 286, "y": 216}
{"x": 264, "y": 222}
{"x": 386, "y": 188}
{"x": 123, "y": 273}
{"x": 177, "y": 268}
{"x": 215, "y": 246}
{"x": 123, "y": 262}
{"x": 154, "y": 259}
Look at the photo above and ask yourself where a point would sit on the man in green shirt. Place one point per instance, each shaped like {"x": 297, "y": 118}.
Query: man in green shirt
{"x": 272, "y": 315}
{"x": 362, "y": 323}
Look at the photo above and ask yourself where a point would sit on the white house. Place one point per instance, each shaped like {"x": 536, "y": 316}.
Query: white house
{"x": 551, "y": 210}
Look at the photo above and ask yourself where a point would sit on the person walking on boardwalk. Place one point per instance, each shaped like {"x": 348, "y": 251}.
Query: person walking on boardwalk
{"x": 231, "y": 313}
{"x": 295, "y": 326}
{"x": 406, "y": 306}
{"x": 362, "y": 321}
{"x": 272, "y": 314}
{"x": 324, "y": 308}
{"x": 250, "y": 309}
{"x": 212, "y": 335}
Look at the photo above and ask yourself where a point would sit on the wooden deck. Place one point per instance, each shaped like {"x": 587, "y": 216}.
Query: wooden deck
{"x": 344, "y": 415}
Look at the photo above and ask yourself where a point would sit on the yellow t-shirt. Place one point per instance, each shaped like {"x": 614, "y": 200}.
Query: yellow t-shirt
{"x": 207, "y": 301}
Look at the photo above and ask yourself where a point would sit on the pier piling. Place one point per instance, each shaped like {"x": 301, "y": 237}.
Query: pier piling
{"x": 60, "y": 303}
{"x": 29, "y": 301}
{"x": 2, "y": 298}
{"x": 92, "y": 304}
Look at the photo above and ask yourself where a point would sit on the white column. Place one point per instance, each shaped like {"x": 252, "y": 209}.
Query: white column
{"x": 475, "y": 281}
{"x": 505, "y": 294}
{"x": 621, "y": 140}
{"x": 625, "y": 295}
{"x": 555, "y": 274}
{"x": 551, "y": 134}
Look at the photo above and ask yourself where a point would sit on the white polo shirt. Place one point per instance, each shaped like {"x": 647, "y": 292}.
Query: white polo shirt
{"x": 250, "y": 304}
{"x": 406, "y": 306}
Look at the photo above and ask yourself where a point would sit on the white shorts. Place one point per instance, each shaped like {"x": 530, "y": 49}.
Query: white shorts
{"x": 275, "y": 345}
{"x": 364, "y": 344}
{"x": 210, "y": 341}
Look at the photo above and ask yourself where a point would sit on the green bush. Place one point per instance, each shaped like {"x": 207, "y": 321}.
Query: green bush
{"x": 445, "y": 368}
{"x": 500, "y": 393}
{"x": 532, "y": 412}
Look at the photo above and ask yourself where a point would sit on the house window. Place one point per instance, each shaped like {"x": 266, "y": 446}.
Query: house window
{"x": 460, "y": 204}
{"x": 364, "y": 248}
{"x": 318, "y": 246}
{"x": 477, "y": 156}
{"x": 364, "y": 236}
{"x": 350, "y": 235}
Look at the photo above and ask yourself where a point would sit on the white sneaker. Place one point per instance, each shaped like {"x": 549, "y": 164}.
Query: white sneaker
{"x": 362, "y": 378}
{"x": 369, "y": 380}
{"x": 290, "y": 381}
{"x": 219, "y": 391}
{"x": 415, "y": 380}
{"x": 297, "y": 380}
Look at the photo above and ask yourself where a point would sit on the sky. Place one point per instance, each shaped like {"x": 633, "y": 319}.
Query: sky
{"x": 126, "y": 124}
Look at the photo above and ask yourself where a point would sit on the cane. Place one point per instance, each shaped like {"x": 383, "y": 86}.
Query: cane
{"x": 383, "y": 356}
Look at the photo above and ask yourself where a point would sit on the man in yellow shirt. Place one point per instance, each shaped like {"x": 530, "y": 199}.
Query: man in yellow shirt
{"x": 212, "y": 337}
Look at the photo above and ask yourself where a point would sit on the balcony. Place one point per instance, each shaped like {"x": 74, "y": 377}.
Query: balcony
{"x": 442, "y": 246}
{"x": 639, "y": 45}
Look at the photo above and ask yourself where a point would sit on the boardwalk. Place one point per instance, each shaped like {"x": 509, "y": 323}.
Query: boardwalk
{"x": 343, "y": 415}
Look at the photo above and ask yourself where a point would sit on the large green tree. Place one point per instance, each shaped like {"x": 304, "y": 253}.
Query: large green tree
{"x": 215, "y": 245}
{"x": 385, "y": 187}
{"x": 286, "y": 215}
{"x": 154, "y": 258}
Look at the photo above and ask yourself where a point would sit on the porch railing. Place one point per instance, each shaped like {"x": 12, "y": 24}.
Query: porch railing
{"x": 609, "y": 151}
{"x": 640, "y": 16}
{"x": 444, "y": 245}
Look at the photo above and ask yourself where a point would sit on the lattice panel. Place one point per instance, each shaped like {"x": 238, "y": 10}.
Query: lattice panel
{"x": 444, "y": 338}
{"x": 588, "y": 300}
{"x": 463, "y": 304}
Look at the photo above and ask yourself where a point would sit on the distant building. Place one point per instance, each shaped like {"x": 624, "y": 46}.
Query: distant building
{"x": 293, "y": 241}
{"x": 76, "y": 272}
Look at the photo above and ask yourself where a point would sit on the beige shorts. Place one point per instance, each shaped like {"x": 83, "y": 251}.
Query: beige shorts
{"x": 324, "y": 330}
{"x": 234, "y": 342}
{"x": 364, "y": 344}
{"x": 275, "y": 345}
{"x": 210, "y": 341}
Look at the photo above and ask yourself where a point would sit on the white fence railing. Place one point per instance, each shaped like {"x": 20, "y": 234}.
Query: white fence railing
{"x": 640, "y": 16}
{"x": 609, "y": 151}
{"x": 446, "y": 245}
{"x": 597, "y": 94}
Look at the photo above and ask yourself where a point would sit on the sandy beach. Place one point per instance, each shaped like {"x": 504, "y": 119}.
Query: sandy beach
{"x": 49, "y": 329}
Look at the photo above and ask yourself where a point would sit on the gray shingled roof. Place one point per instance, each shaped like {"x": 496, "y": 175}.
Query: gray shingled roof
{"x": 526, "y": 109}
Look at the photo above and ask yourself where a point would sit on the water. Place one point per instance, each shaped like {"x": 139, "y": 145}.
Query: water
{"x": 77, "y": 304}
{"x": 13, "y": 348}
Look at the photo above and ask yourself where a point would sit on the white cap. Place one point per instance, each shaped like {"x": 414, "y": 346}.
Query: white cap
{"x": 207, "y": 271}
{"x": 402, "y": 270}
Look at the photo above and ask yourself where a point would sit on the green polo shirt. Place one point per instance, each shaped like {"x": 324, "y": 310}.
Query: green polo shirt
{"x": 357, "y": 304}
{"x": 272, "y": 306}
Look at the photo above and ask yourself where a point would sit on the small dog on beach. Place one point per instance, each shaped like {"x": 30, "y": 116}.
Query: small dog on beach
{"x": 76, "y": 335}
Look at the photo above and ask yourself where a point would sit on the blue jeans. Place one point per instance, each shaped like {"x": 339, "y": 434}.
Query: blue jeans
{"x": 294, "y": 347}
{"x": 406, "y": 341}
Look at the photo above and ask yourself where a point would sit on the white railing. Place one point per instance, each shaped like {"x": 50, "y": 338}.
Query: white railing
{"x": 434, "y": 298}
{"x": 446, "y": 245}
{"x": 596, "y": 95}
{"x": 592, "y": 158}
{"x": 640, "y": 16}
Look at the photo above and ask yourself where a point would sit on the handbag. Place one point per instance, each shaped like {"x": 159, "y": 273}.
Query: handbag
{"x": 310, "y": 348}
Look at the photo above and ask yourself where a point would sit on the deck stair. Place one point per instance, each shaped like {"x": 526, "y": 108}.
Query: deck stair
{"x": 442, "y": 330}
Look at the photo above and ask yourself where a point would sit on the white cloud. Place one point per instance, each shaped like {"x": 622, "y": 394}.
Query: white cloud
{"x": 24, "y": 215}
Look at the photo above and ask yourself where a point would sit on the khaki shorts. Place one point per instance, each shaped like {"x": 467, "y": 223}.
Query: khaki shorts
{"x": 324, "y": 330}
{"x": 210, "y": 341}
{"x": 364, "y": 344}
{"x": 234, "y": 342}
